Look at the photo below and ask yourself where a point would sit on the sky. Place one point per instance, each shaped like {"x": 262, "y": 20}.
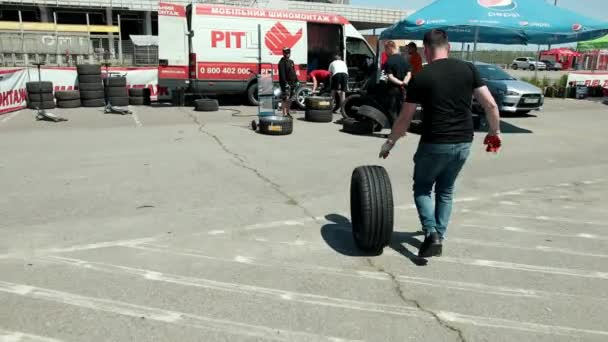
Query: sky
{"x": 592, "y": 8}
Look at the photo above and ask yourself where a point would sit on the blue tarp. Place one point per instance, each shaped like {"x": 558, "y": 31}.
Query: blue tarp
{"x": 500, "y": 22}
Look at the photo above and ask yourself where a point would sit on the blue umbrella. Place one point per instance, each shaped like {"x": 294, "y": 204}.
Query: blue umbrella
{"x": 499, "y": 21}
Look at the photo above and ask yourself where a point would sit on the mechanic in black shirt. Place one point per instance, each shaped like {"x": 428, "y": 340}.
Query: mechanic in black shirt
{"x": 444, "y": 89}
{"x": 398, "y": 71}
{"x": 287, "y": 80}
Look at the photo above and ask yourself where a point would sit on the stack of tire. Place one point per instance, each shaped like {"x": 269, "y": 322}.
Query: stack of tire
{"x": 40, "y": 95}
{"x": 139, "y": 96}
{"x": 90, "y": 86}
{"x": 68, "y": 98}
{"x": 318, "y": 109}
{"x": 116, "y": 88}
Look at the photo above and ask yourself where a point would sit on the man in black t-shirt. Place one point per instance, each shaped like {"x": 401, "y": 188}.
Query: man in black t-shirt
{"x": 287, "y": 80}
{"x": 444, "y": 89}
{"x": 398, "y": 73}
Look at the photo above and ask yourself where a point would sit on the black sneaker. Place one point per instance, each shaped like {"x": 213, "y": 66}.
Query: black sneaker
{"x": 431, "y": 246}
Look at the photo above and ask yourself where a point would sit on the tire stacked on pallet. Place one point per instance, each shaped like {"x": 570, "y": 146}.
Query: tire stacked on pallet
{"x": 68, "y": 98}
{"x": 318, "y": 109}
{"x": 116, "y": 88}
{"x": 40, "y": 95}
{"x": 90, "y": 86}
{"x": 139, "y": 96}
{"x": 371, "y": 208}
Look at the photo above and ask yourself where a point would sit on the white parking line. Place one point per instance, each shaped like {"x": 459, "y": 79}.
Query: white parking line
{"x": 17, "y": 336}
{"x": 160, "y": 315}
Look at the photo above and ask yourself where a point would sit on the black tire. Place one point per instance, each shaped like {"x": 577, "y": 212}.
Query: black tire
{"x": 514, "y": 67}
{"x": 415, "y": 127}
{"x": 39, "y": 87}
{"x": 37, "y": 97}
{"x": 276, "y": 125}
{"x": 371, "y": 208}
{"x": 374, "y": 114}
{"x": 68, "y": 103}
{"x": 531, "y": 67}
{"x": 353, "y": 126}
{"x": 66, "y": 95}
{"x": 94, "y": 103}
{"x": 92, "y": 95}
{"x": 90, "y": 86}
{"x": 137, "y": 101}
{"x": 206, "y": 105}
{"x": 119, "y": 101}
{"x": 316, "y": 115}
{"x": 41, "y": 105}
{"x": 139, "y": 92}
{"x": 252, "y": 94}
{"x": 88, "y": 69}
{"x": 319, "y": 103}
{"x": 115, "y": 82}
{"x": 522, "y": 112}
{"x": 117, "y": 92}
{"x": 300, "y": 96}
{"x": 89, "y": 79}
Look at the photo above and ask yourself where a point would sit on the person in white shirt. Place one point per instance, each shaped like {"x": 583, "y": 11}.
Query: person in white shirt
{"x": 339, "y": 79}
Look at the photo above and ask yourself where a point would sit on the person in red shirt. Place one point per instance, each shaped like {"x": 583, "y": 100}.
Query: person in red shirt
{"x": 415, "y": 58}
{"x": 319, "y": 76}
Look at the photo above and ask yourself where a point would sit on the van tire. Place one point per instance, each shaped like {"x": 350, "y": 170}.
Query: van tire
{"x": 206, "y": 105}
{"x": 39, "y": 87}
{"x": 371, "y": 208}
{"x": 252, "y": 94}
{"x": 318, "y": 115}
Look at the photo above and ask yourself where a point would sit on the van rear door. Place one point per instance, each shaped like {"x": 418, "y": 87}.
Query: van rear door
{"x": 173, "y": 47}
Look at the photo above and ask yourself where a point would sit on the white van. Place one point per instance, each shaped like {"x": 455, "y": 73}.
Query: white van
{"x": 215, "y": 50}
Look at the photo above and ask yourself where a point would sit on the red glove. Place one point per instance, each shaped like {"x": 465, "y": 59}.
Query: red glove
{"x": 494, "y": 143}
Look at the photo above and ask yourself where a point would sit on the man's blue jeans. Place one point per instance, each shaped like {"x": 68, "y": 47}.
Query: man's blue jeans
{"x": 438, "y": 165}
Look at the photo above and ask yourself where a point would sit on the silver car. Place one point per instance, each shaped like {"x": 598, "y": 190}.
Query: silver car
{"x": 511, "y": 94}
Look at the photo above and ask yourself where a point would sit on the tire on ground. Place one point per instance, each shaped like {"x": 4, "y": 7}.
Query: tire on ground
{"x": 89, "y": 79}
{"x": 68, "y": 103}
{"x": 41, "y": 105}
{"x": 276, "y": 125}
{"x": 206, "y": 105}
{"x": 117, "y": 92}
{"x": 65, "y": 95}
{"x": 119, "y": 101}
{"x": 39, "y": 87}
{"x": 92, "y": 95}
{"x": 139, "y": 92}
{"x": 90, "y": 86}
{"x": 115, "y": 82}
{"x": 374, "y": 114}
{"x": 88, "y": 69}
{"x": 93, "y": 103}
{"x": 315, "y": 115}
{"x": 371, "y": 207}
{"x": 137, "y": 101}
{"x": 358, "y": 127}
{"x": 318, "y": 103}
{"x": 37, "y": 97}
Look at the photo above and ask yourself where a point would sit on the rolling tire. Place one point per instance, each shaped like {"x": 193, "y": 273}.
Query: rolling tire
{"x": 94, "y": 103}
{"x": 276, "y": 125}
{"x": 371, "y": 208}
{"x": 92, "y": 94}
{"x": 36, "y": 97}
{"x": 89, "y": 79}
{"x": 316, "y": 115}
{"x": 318, "y": 103}
{"x": 119, "y": 101}
{"x": 90, "y": 86}
{"x": 137, "y": 101}
{"x": 41, "y": 105}
{"x": 115, "y": 82}
{"x": 66, "y": 95}
{"x": 88, "y": 69}
{"x": 300, "y": 95}
{"x": 39, "y": 87}
{"x": 139, "y": 92}
{"x": 117, "y": 92}
{"x": 353, "y": 126}
{"x": 68, "y": 103}
{"x": 252, "y": 94}
{"x": 206, "y": 105}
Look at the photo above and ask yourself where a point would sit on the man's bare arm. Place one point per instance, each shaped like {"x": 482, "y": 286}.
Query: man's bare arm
{"x": 485, "y": 98}
{"x": 403, "y": 122}
{"x": 394, "y": 80}
{"x": 407, "y": 78}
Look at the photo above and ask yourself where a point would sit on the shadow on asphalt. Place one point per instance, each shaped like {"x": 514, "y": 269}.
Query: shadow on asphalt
{"x": 338, "y": 236}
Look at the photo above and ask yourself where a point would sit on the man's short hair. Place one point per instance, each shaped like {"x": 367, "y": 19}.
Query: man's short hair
{"x": 390, "y": 44}
{"x": 436, "y": 39}
{"x": 412, "y": 45}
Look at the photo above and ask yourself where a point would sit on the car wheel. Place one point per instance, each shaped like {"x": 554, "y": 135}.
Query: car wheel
{"x": 514, "y": 66}
{"x": 531, "y": 67}
{"x": 301, "y": 94}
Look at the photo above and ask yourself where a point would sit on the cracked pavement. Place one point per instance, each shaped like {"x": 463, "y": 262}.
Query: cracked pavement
{"x": 188, "y": 226}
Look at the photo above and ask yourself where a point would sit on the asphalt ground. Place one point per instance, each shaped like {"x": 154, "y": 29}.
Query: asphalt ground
{"x": 175, "y": 225}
